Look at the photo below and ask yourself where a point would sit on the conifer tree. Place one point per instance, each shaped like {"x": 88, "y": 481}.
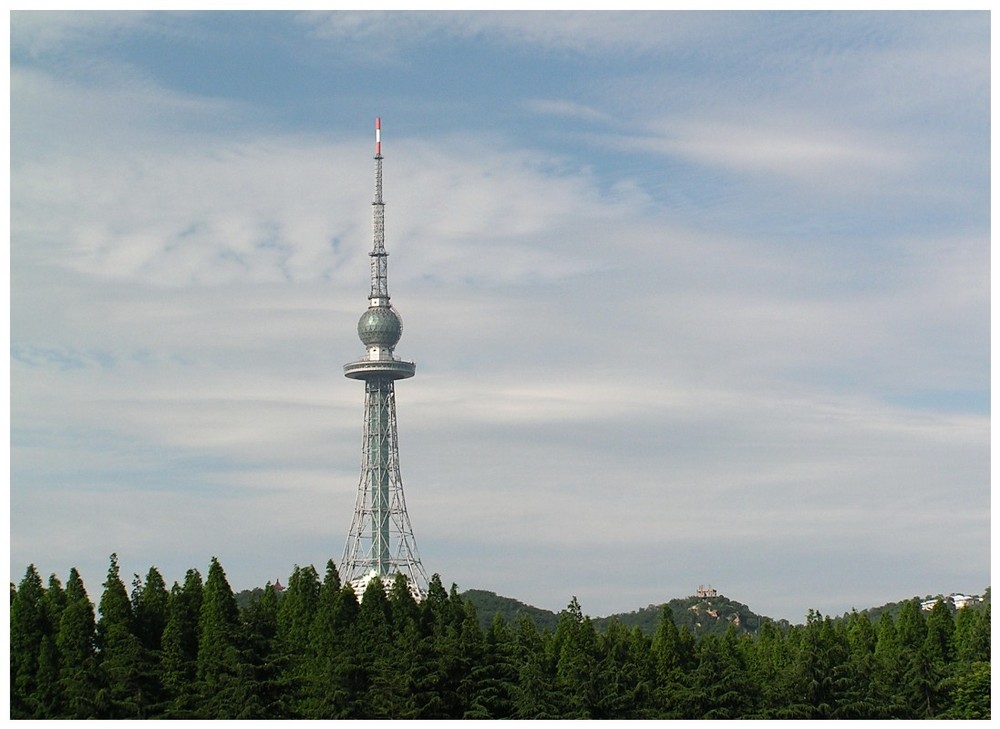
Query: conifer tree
{"x": 625, "y": 688}
{"x": 387, "y": 695}
{"x": 122, "y": 663}
{"x": 333, "y": 670}
{"x": 27, "y": 631}
{"x": 673, "y": 663}
{"x": 535, "y": 695}
{"x": 298, "y": 607}
{"x": 495, "y": 676}
{"x": 770, "y": 670}
{"x": 575, "y": 650}
{"x": 719, "y": 681}
{"x": 218, "y": 662}
{"x": 858, "y": 698}
{"x": 77, "y": 660}
{"x": 919, "y": 681}
{"x": 48, "y": 694}
{"x": 264, "y": 661}
{"x": 151, "y": 608}
{"x": 972, "y": 634}
{"x": 179, "y": 646}
{"x": 296, "y": 614}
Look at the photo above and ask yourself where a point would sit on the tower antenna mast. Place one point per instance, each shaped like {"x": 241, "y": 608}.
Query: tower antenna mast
{"x": 380, "y": 542}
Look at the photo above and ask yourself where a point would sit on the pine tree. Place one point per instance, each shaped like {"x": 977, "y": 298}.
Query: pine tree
{"x": 719, "y": 681}
{"x": 264, "y": 661}
{"x": 971, "y": 693}
{"x": 769, "y": 668}
{"x": 535, "y": 695}
{"x": 77, "y": 660}
{"x": 27, "y": 631}
{"x": 577, "y": 678}
{"x": 920, "y": 680}
{"x": 495, "y": 676}
{"x": 673, "y": 660}
{"x": 972, "y": 634}
{"x": 48, "y": 693}
{"x": 858, "y": 699}
{"x": 296, "y": 614}
{"x": 386, "y": 691}
{"x": 151, "y": 608}
{"x": 218, "y": 663}
{"x": 298, "y": 607}
{"x": 625, "y": 688}
{"x": 333, "y": 671}
{"x": 179, "y": 646}
{"x": 122, "y": 663}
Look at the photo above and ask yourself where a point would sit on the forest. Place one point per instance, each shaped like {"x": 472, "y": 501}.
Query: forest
{"x": 319, "y": 651}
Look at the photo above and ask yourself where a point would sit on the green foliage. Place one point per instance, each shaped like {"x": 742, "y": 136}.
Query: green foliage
{"x": 28, "y": 629}
{"x": 316, "y": 652}
{"x": 77, "y": 658}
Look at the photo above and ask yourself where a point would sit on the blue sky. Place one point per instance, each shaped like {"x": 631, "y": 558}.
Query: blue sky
{"x": 695, "y": 298}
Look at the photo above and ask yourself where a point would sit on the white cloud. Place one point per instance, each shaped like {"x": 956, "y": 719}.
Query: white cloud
{"x": 380, "y": 33}
{"x": 606, "y": 385}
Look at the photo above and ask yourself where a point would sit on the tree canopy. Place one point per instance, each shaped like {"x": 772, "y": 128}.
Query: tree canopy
{"x": 319, "y": 651}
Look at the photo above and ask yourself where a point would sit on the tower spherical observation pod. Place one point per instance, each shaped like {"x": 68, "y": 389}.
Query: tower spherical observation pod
{"x": 380, "y": 326}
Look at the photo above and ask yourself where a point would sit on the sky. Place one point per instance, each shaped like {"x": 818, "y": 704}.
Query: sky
{"x": 696, "y": 298}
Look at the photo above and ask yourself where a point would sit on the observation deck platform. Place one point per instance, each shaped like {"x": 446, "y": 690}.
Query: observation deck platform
{"x": 364, "y": 369}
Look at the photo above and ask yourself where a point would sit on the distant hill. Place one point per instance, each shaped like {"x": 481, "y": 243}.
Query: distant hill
{"x": 709, "y": 615}
{"x": 701, "y": 615}
{"x": 489, "y": 604}
{"x": 893, "y": 608}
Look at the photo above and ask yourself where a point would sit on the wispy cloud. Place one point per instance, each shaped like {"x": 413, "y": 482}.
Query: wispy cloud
{"x": 648, "y": 302}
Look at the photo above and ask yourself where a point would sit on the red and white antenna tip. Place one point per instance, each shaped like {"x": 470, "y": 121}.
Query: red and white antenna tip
{"x": 378, "y": 136}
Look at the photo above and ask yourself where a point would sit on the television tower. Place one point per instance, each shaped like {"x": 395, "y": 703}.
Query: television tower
{"x": 380, "y": 542}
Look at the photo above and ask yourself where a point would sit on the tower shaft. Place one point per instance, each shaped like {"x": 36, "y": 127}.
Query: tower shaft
{"x": 380, "y": 274}
{"x": 381, "y": 539}
{"x": 380, "y": 542}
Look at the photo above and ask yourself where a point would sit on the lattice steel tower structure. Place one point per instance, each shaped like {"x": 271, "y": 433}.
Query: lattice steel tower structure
{"x": 381, "y": 540}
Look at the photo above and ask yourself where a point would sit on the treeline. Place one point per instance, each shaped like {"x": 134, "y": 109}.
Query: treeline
{"x": 317, "y": 652}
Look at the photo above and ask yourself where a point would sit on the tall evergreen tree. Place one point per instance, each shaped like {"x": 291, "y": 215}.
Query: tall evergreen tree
{"x": 218, "y": 663}
{"x": 122, "y": 661}
{"x": 48, "y": 694}
{"x": 920, "y": 680}
{"x": 972, "y": 634}
{"x": 298, "y": 607}
{"x": 535, "y": 695}
{"x": 890, "y": 666}
{"x": 28, "y": 629}
{"x": 334, "y": 664}
{"x": 577, "y": 660}
{"x": 672, "y": 654}
{"x": 387, "y": 694}
{"x": 495, "y": 676}
{"x": 296, "y": 614}
{"x": 151, "y": 610}
{"x": 858, "y": 698}
{"x": 179, "y": 646}
{"x": 264, "y": 661}
{"x": 77, "y": 660}
{"x": 720, "y": 679}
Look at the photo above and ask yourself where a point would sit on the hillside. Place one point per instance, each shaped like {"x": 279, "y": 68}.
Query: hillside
{"x": 710, "y": 615}
{"x": 701, "y": 616}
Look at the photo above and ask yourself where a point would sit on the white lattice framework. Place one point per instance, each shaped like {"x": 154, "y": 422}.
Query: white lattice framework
{"x": 380, "y": 541}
